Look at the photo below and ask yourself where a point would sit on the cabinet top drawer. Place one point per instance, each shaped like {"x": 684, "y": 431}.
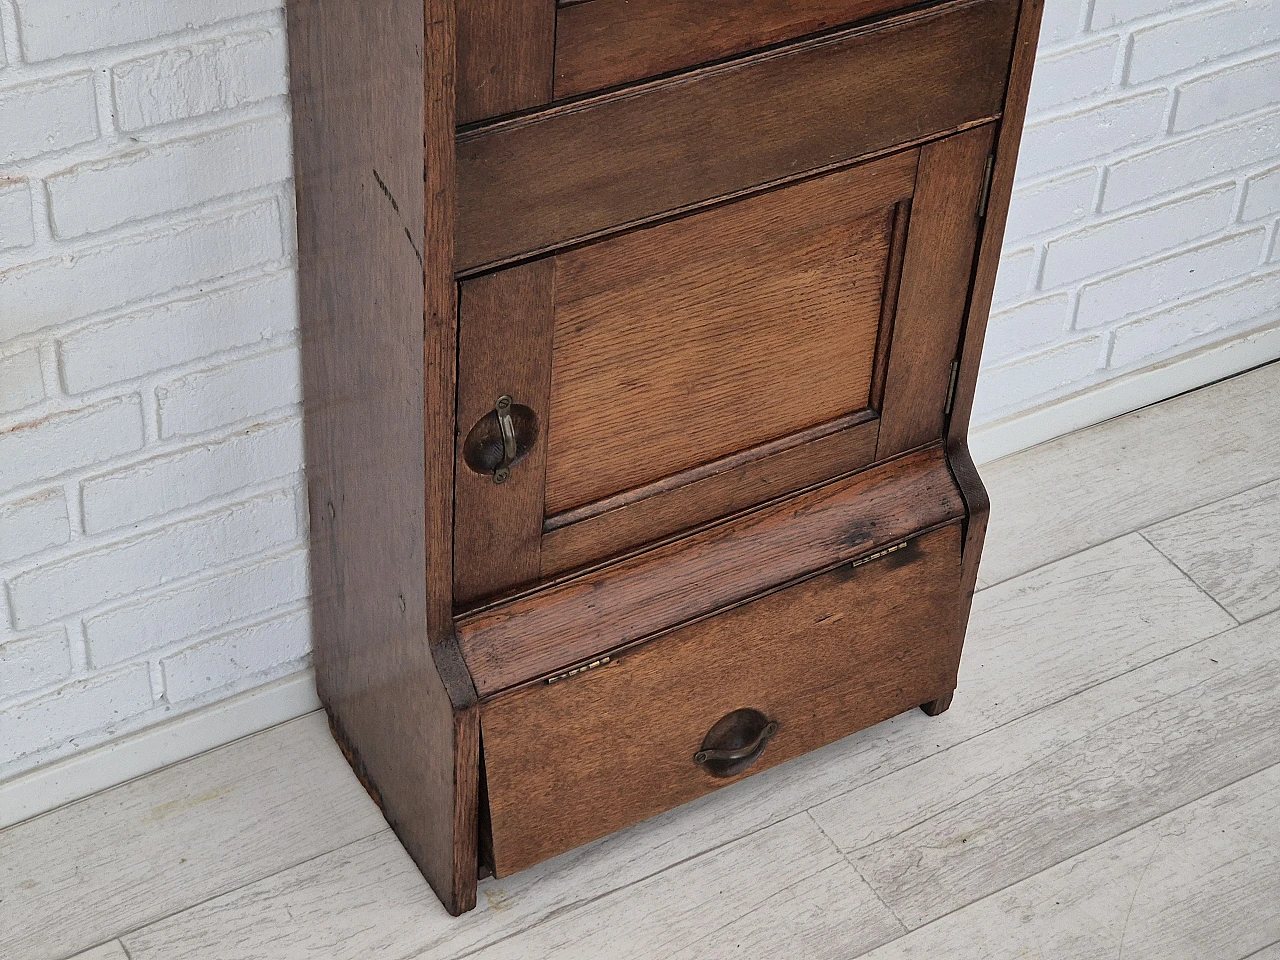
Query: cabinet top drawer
{"x": 606, "y": 43}
{"x": 537, "y": 183}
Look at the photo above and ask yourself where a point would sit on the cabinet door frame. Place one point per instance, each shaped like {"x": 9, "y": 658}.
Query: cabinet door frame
{"x": 503, "y": 540}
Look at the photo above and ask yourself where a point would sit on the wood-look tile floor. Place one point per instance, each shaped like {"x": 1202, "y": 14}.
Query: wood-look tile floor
{"x": 1107, "y": 784}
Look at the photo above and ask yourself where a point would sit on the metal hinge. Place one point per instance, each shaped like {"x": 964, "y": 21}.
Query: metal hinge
{"x": 951, "y": 387}
{"x": 985, "y": 199}
{"x": 863, "y": 561}
{"x": 577, "y": 670}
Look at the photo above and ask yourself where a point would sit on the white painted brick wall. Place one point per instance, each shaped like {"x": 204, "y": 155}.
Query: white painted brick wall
{"x": 152, "y": 520}
{"x": 1144, "y": 218}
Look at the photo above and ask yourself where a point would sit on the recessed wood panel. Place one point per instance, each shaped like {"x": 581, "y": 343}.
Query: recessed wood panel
{"x": 618, "y": 525}
{"x": 604, "y": 43}
{"x": 686, "y": 342}
{"x": 572, "y": 761}
{"x": 573, "y": 172}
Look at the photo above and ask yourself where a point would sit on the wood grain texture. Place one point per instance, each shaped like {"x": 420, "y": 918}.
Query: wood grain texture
{"x": 505, "y": 335}
{"x": 368, "y": 898}
{"x": 605, "y": 43}
{"x": 823, "y": 658}
{"x": 1017, "y": 800}
{"x": 380, "y": 485}
{"x": 1033, "y": 645}
{"x": 531, "y": 185}
{"x": 1008, "y": 142}
{"x": 675, "y": 913}
{"x": 1230, "y": 548}
{"x": 1197, "y": 882}
{"x": 506, "y": 54}
{"x": 936, "y": 273}
{"x": 1042, "y": 613}
{"x": 364, "y": 899}
{"x": 1192, "y": 884}
{"x": 108, "y": 951}
{"x": 1122, "y": 600}
{"x": 716, "y": 490}
{"x": 161, "y": 844}
{"x": 586, "y": 616}
{"x": 1063, "y": 496}
{"x": 686, "y": 342}
{"x": 889, "y": 299}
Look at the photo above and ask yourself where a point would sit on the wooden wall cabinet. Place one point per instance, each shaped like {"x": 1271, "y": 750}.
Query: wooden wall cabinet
{"x": 639, "y": 344}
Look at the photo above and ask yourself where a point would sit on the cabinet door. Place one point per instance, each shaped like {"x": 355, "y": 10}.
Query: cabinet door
{"x": 668, "y": 376}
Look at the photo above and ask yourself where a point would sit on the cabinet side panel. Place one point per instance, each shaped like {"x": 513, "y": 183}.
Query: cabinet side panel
{"x": 402, "y": 706}
{"x": 1008, "y": 141}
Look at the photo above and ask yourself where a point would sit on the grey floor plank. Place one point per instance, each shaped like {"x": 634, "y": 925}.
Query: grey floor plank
{"x": 1199, "y": 883}
{"x": 1089, "y": 487}
{"x": 117, "y": 860}
{"x": 994, "y": 810}
{"x": 1231, "y": 548}
{"x": 1034, "y": 641}
{"x": 366, "y": 900}
{"x": 671, "y": 914}
{"x": 1077, "y": 622}
{"x": 107, "y": 951}
{"x": 268, "y": 848}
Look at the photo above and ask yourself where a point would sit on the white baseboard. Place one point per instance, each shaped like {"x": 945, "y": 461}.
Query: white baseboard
{"x": 132, "y": 756}
{"x": 1116, "y": 397}
{"x": 111, "y": 764}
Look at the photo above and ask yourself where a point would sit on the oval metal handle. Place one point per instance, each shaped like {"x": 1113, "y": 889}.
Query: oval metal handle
{"x": 735, "y": 742}
{"x": 762, "y": 738}
{"x": 500, "y": 439}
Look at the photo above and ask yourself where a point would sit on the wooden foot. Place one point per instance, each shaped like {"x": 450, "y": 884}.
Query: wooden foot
{"x": 935, "y": 707}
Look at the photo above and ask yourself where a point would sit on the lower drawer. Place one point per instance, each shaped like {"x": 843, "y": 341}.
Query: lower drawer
{"x": 571, "y": 759}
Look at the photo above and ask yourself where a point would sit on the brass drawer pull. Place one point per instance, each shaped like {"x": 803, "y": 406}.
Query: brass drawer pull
{"x": 508, "y": 431}
{"x": 735, "y": 742}
{"x": 501, "y": 439}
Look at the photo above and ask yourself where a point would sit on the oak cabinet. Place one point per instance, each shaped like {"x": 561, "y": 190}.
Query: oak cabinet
{"x": 639, "y": 347}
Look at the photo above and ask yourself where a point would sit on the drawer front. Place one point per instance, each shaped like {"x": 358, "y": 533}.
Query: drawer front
{"x": 605, "y": 43}
{"x": 570, "y": 761}
{"x": 682, "y": 372}
{"x": 587, "y": 615}
{"x": 533, "y": 184}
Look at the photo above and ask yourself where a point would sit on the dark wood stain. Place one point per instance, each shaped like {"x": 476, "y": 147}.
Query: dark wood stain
{"x": 605, "y": 43}
{"x": 505, "y": 328}
{"x": 698, "y": 338}
{"x": 573, "y": 172}
{"x": 718, "y": 489}
{"x": 506, "y": 52}
{"x": 824, "y": 658}
{"x": 404, "y": 708}
{"x": 807, "y": 549}
{"x": 585, "y": 616}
